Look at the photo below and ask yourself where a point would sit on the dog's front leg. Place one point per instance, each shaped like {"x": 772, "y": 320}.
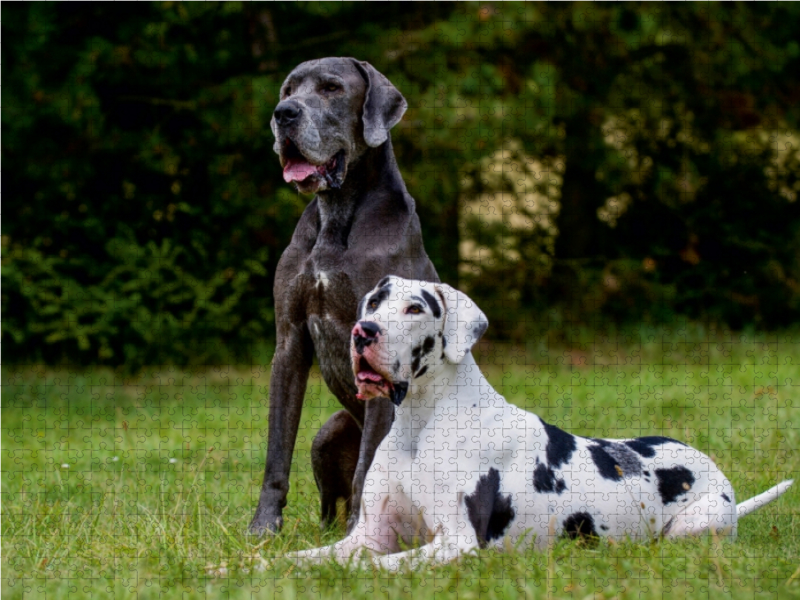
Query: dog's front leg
{"x": 453, "y": 537}
{"x": 378, "y": 417}
{"x": 342, "y": 551}
{"x": 375, "y": 533}
{"x": 290, "y": 368}
{"x": 442, "y": 549}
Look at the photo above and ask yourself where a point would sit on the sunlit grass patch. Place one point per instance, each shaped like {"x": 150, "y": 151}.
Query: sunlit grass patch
{"x": 145, "y": 487}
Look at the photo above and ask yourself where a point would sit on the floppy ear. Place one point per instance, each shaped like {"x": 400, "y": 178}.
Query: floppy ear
{"x": 384, "y": 105}
{"x": 464, "y": 323}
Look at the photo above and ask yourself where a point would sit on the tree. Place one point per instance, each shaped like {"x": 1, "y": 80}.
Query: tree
{"x": 640, "y": 161}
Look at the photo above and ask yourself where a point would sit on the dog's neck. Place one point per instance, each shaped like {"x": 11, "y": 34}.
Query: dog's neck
{"x": 375, "y": 170}
{"x": 465, "y": 387}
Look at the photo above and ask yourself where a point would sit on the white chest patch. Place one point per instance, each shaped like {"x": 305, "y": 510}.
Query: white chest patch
{"x": 322, "y": 279}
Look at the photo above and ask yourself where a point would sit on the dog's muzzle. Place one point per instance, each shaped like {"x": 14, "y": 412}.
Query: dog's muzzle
{"x": 287, "y": 112}
{"x": 308, "y": 176}
{"x": 370, "y": 382}
{"x": 364, "y": 333}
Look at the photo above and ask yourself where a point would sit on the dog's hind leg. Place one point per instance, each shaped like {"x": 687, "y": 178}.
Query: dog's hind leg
{"x": 334, "y": 456}
{"x": 715, "y": 512}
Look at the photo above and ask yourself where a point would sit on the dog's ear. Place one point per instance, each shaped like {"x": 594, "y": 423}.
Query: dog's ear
{"x": 384, "y": 105}
{"x": 464, "y": 322}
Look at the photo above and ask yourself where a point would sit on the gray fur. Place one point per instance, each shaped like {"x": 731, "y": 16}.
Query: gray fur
{"x": 361, "y": 226}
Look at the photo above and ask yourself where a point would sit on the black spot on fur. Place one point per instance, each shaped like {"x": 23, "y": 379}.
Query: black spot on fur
{"x": 384, "y": 281}
{"x": 560, "y": 445}
{"x": 604, "y": 527}
{"x": 646, "y": 473}
{"x": 422, "y": 371}
{"x": 396, "y": 366}
{"x": 725, "y": 497}
{"x": 606, "y": 465}
{"x": 645, "y": 445}
{"x": 398, "y": 393}
{"x": 432, "y": 303}
{"x": 545, "y": 481}
{"x": 360, "y": 343}
{"x": 415, "y": 355}
{"x": 673, "y": 483}
{"x": 479, "y": 330}
{"x": 627, "y": 460}
{"x": 489, "y": 513}
{"x": 420, "y": 302}
{"x": 579, "y": 525}
{"x": 418, "y": 353}
{"x": 444, "y": 343}
{"x": 378, "y": 297}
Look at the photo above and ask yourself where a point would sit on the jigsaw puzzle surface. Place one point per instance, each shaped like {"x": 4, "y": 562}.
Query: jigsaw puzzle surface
{"x": 501, "y": 365}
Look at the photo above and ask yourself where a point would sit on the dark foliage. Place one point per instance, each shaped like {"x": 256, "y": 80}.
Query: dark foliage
{"x": 649, "y": 164}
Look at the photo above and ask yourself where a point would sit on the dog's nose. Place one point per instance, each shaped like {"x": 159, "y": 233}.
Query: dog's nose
{"x": 367, "y": 329}
{"x": 287, "y": 112}
{"x": 364, "y": 333}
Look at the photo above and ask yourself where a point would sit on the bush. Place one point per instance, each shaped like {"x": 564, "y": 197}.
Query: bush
{"x": 640, "y": 161}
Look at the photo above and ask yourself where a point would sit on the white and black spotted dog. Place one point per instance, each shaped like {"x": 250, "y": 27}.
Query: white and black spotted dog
{"x": 461, "y": 468}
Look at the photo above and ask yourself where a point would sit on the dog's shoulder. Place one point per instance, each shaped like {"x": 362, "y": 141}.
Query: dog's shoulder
{"x": 303, "y": 240}
{"x": 307, "y": 229}
{"x": 386, "y": 208}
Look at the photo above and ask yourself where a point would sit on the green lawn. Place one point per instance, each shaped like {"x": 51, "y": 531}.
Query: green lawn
{"x": 144, "y": 487}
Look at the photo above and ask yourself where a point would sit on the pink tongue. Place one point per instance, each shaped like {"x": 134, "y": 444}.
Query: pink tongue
{"x": 371, "y": 376}
{"x": 298, "y": 171}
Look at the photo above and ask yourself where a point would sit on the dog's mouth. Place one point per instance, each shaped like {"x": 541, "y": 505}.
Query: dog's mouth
{"x": 308, "y": 176}
{"x": 372, "y": 384}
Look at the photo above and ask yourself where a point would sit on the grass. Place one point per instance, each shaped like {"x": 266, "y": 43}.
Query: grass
{"x": 144, "y": 487}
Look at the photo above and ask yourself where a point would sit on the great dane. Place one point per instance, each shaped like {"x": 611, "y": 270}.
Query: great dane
{"x": 332, "y": 136}
{"x": 462, "y": 469}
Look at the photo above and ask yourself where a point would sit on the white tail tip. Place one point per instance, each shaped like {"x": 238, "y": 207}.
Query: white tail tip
{"x": 756, "y": 502}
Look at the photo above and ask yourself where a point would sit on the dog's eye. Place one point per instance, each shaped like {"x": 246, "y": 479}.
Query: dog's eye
{"x": 413, "y": 310}
{"x": 287, "y": 92}
{"x": 332, "y": 87}
{"x": 373, "y": 305}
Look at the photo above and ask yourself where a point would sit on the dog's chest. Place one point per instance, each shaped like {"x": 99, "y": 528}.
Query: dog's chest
{"x": 330, "y": 307}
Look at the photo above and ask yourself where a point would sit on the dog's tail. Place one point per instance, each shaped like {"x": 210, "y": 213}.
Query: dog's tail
{"x": 756, "y": 502}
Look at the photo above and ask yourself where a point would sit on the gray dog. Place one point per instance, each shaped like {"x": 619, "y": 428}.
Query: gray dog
{"x": 332, "y": 135}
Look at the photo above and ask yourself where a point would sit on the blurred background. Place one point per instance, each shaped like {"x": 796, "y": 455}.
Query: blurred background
{"x": 589, "y": 165}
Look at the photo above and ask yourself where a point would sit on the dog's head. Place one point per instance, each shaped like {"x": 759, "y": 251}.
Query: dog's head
{"x": 406, "y": 331}
{"x": 331, "y": 110}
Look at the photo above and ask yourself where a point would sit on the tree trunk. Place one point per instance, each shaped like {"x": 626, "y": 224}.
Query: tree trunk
{"x": 581, "y": 194}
